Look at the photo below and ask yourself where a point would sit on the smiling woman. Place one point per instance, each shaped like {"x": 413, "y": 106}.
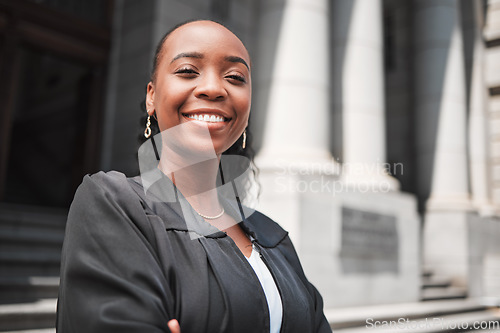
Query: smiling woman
{"x": 184, "y": 69}
{"x": 174, "y": 249}
{"x": 202, "y": 70}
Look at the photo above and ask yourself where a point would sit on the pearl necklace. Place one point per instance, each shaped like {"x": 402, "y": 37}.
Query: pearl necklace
{"x": 211, "y": 217}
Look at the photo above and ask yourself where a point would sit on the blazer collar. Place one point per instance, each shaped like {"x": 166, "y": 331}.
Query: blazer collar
{"x": 166, "y": 201}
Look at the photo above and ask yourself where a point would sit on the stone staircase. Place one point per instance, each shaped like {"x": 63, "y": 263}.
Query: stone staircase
{"x": 455, "y": 315}
{"x": 30, "y": 254}
{"x": 439, "y": 288}
{"x": 443, "y": 308}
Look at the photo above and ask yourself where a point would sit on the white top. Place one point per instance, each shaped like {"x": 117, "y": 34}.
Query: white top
{"x": 270, "y": 289}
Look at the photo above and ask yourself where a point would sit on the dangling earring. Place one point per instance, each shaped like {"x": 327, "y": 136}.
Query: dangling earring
{"x": 147, "y": 131}
{"x": 244, "y": 139}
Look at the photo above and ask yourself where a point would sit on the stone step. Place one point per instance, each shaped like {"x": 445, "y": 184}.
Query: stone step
{"x": 32, "y": 216}
{"x": 30, "y": 233}
{"x": 435, "y": 282}
{"x": 446, "y": 323}
{"x": 427, "y": 272}
{"x": 14, "y": 238}
{"x": 493, "y": 301}
{"x": 443, "y": 293}
{"x": 27, "y": 289}
{"x": 30, "y": 263}
{"x": 48, "y": 256}
{"x": 12, "y": 247}
{"x": 29, "y": 316}
{"x": 355, "y": 317}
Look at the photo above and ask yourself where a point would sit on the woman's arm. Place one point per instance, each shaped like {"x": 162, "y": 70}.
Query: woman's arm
{"x": 111, "y": 280}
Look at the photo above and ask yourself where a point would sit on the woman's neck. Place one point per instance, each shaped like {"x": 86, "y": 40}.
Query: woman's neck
{"x": 197, "y": 181}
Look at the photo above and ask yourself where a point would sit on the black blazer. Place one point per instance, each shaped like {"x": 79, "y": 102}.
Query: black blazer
{"x": 131, "y": 263}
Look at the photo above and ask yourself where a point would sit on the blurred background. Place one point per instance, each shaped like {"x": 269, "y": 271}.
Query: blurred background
{"x": 376, "y": 125}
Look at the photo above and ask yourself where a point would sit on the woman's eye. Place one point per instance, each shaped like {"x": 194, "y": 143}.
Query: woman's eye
{"x": 185, "y": 71}
{"x": 238, "y": 78}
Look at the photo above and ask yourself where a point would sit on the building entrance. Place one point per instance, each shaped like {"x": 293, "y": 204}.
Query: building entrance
{"x": 53, "y": 58}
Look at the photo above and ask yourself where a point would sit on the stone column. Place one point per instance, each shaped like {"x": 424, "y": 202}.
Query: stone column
{"x": 440, "y": 108}
{"x": 358, "y": 90}
{"x": 440, "y": 105}
{"x": 291, "y": 88}
{"x": 292, "y": 79}
{"x": 478, "y": 121}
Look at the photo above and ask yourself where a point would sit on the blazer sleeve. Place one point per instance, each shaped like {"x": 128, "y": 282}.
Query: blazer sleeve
{"x": 321, "y": 324}
{"x": 111, "y": 279}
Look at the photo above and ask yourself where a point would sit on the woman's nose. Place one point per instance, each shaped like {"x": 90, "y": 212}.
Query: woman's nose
{"x": 210, "y": 86}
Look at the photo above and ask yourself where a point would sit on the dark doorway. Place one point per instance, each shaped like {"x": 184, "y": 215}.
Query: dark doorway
{"x": 52, "y": 73}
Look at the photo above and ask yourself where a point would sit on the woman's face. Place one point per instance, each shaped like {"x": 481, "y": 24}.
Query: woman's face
{"x": 203, "y": 77}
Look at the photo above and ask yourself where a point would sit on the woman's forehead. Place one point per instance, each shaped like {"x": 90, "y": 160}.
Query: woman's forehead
{"x": 204, "y": 36}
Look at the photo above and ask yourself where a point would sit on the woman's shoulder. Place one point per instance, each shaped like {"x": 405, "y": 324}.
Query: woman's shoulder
{"x": 106, "y": 201}
{"x": 109, "y": 188}
{"x": 115, "y": 185}
{"x": 106, "y": 179}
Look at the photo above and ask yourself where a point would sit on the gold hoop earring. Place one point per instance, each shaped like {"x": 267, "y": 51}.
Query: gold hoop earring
{"x": 244, "y": 139}
{"x": 147, "y": 131}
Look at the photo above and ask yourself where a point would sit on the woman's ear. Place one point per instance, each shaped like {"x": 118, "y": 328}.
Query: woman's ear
{"x": 150, "y": 93}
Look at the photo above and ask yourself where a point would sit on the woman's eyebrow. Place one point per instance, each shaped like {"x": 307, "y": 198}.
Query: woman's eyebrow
{"x": 196, "y": 55}
{"x": 237, "y": 59}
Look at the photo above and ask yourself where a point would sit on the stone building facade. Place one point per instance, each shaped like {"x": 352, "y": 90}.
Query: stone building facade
{"x": 376, "y": 124}
{"x": 362, "y": 111}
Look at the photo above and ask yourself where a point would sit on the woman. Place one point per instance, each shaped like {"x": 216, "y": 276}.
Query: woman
{"x": 169, "y": 251}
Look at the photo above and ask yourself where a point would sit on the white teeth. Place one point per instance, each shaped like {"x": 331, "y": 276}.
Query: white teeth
{"x": 207, "y": 118}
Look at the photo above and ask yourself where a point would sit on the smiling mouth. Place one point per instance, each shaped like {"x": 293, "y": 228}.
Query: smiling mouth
{"x": 208, "y": 118}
